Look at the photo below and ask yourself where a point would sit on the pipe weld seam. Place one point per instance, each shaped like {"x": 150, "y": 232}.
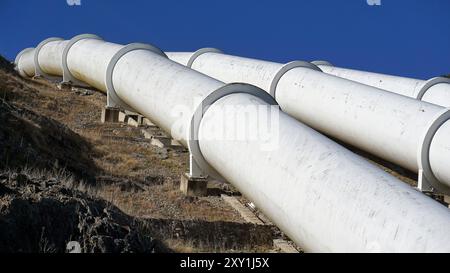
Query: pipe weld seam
{"x": 285, "y": 68}
{"x": 37, "y": 67}
{"x": 424, "y": 150}
{"x": 430, "y": 83}
{"x": 200, "y": 52}
{"x": 21, "y": 53}
{"x": 110, "y": 90}
{"x": 67, "y": 75}
{"x": 193, "y": 138}
{"x": 321, "y": 62}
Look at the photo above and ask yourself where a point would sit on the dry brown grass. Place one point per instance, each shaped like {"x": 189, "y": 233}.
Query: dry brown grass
{"x": 119, "y": 152}
{"x": 183, "y": 246}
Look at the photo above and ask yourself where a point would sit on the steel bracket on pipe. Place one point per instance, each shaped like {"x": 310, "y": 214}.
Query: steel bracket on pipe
{"x": 193, "y": 140}
{"x": 430, "y": 83}
{"x": 427, "y": 180}
{"x": 38, "y": 70}
{"x": 199, "y": 52}
{"x": 286, "y": 68}
{"x": 112, "y": 99}
{"x": 320, "y": 62}
{"x": 67, "y": 76}
{"x": 16, "y": 61}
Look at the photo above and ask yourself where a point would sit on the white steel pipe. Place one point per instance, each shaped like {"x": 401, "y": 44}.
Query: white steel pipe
{"x": 326, "y": 198}
{"x": 25, "y": 62}
{"x": 50, "y": 57}
{"x": 383, "y": 123}
{"x": 436, "y": 90}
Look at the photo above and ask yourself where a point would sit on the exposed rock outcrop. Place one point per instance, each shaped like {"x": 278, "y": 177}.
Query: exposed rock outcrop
{"x": 41, "y": 213}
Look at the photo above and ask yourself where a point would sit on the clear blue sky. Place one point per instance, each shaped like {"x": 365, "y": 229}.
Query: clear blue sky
{"x": 401, "y": 37}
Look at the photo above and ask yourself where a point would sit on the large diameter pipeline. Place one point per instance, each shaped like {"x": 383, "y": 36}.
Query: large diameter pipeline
{"x": 385, "y": 124}
{"x": 305, "y": 177}
{"x": 433, "y": 91}
{"x": 25, "y": 63}
{"x": 317, "y": 191}
{"x": 326, "y": 198}
{"x": 50, "y": 57}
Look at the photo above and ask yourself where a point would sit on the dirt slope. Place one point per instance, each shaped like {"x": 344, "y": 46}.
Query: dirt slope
{"x": 39, "y": 212}
{"x": 65, "y": 176}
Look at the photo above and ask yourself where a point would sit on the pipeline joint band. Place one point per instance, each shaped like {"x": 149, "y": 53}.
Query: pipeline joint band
{"x": 200, "y": 52}
{"x": 67, "y": 76}
{"x": 17, "y": 60}
{"x": 320, "y": 62}
{"x": 286, "y": 68}
{"x": 228, "y": 89}
{"x": 423, "y": 156}
{"x": 38, "y": 70}
{"x": 112, "y": 99}
{"x": 430, "y": 83}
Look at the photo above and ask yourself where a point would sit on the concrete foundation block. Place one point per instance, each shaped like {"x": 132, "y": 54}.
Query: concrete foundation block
{"x": 132, "y": 122}
{"x": 193, "y": 186}
{"x": 174, "y": 142}
{"x": 147, "y": 134}
{"x": 123, "y": 117}
{"x": 157, "y": 139}
{"x": 140, "y": 120}
{"x": 160, "y": 142}
{"x": 447, "y": 200}
{"x": 110, "y": 115}
{"x": 64, "y": 86}
{"x": 82, "y": 91}
{"x": 135, "y": 120}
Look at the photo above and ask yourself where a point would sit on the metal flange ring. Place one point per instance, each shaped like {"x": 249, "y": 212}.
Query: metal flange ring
{"x": 111, "y": 92}
{"x": 423, "y": 156}
{"x": 193, "y": 139}
{"x": 200, "y": 52}
{"x": 320, "y": 62}
{"x": 37, "y": 67}
{"x": 17, "y": 60}
{"x": 67, "y": 76}
{"x": 430, "y": 83}
{"x": 286, "y": 68}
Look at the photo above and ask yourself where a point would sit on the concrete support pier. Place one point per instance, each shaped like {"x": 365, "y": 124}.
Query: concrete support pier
{"x": 447, "y": 200}
{"x": 194, "y": 183}
{"x": 193, "y": 186}
{"x": 110, "y": 114}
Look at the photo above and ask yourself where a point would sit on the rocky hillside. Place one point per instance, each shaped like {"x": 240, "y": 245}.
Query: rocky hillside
{"x": 40, "y": 212}
{"x": 42, "y": 162}
{"x": 35, "y": 141}
{"x": 6, "y": 65}
{"x": 64, "y": 176}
